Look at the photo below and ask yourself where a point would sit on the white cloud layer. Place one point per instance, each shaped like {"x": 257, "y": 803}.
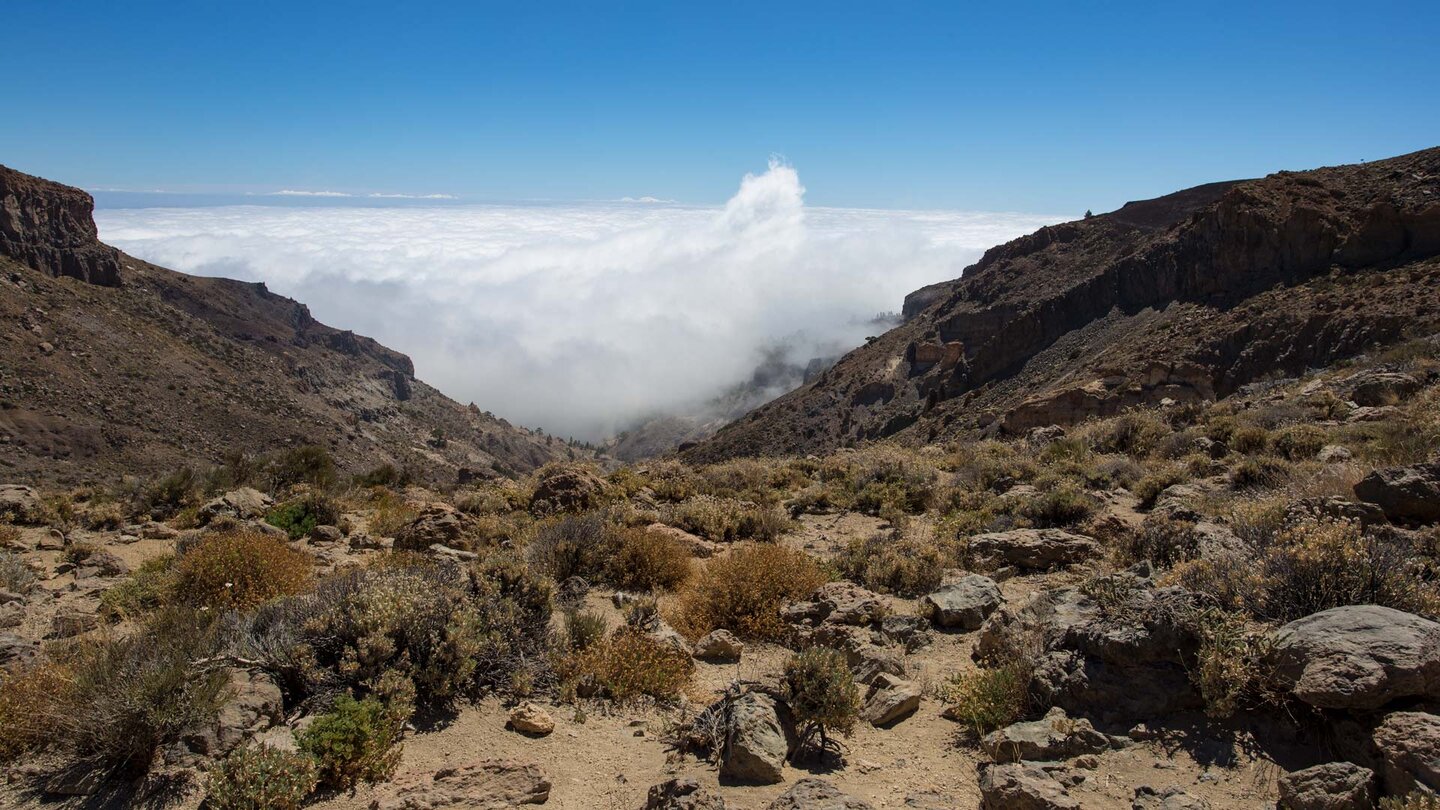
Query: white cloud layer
{"x": 582, "y": 318}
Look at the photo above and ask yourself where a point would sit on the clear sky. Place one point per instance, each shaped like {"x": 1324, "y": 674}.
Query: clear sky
{"x": 1052, "y": 107}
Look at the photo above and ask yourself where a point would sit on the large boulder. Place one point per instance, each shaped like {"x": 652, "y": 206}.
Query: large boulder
{"x": 567, "y": 488}
{"x": 963, "y": 604}
{"x": 1119, "y": 665}
{"x": 242, "y": 504}
{"x": 491, "y": 784}
{"x": 837, "y": 603}
{"x": 1032, "y": 549}
{"x": 816, "y": 794}
{"x": 1380, "y": 388}
{"x": 1053, "y": 737}
{"x": 719, "y": 647}
{"x": 682, "y": 794}
{"x": 889, "y": 700}
{"x": 755, "y": 746}
{"x": 1405, "y": 493}
{"x": 254, "y": 705}
{"x": 437, "y": 524}
{"x": 20, "y": 504}
{"x": 1022, "y": 786}
{"x": 1358, "y": 657}
{"x": 1332, "y": 786}
{"x": 1409, "y": 746}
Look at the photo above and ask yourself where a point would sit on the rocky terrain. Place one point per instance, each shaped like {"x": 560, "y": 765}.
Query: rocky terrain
{"x": 1224, "y": 597}
{"x": 115, "y": 366}
{"x": 1186, "y": 297}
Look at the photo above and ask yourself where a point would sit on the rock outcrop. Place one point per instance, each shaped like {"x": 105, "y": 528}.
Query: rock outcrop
{"x": 50, "y": 227}
{"x": 1358, "y": 657}
{"x": 1410, "y": 494}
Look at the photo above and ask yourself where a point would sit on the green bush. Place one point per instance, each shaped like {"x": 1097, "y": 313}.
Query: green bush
{"x": 260, "y": 777}
{"x": 821, "y": 694}
{"x": 299, "y": 516}
{"x": 356, "y": 741}
{"x": 988, "y": 698}
{"x": 148, "y": 587}
{"x": 583, "y": 628}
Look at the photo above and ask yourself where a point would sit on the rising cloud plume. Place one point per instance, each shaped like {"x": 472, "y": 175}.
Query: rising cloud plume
{"x": 582, "y": 318}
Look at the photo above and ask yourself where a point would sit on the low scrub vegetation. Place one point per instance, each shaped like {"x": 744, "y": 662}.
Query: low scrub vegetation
{"x": 239, "y": 570}
{"x": 743, "y": 591}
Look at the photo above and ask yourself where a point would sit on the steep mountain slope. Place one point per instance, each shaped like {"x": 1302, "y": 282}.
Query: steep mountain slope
{"x": 1185, "y": 297}
{"x": 113, "y": 365}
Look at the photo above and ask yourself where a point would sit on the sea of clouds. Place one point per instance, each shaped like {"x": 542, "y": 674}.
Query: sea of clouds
{"x": 582, "y": 318}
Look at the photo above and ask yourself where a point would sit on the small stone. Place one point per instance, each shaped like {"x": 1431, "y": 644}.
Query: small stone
{"x": 719, "y": 647}
{"x": 529, "y": 718}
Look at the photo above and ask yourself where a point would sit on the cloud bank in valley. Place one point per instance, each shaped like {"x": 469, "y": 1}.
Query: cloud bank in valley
{"x": 582, "y": 318}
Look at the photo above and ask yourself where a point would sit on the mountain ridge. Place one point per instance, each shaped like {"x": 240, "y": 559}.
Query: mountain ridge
{"x": 1183, "y": 297}
{"x": 116, "y": 365}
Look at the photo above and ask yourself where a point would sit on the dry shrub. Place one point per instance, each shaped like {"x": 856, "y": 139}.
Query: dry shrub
{"x": 1161, "y": 540}
{"x": 1231, "y": 669}
{"x": 821, "y": 694}
{"x": 1248, "y": 439}
{"x": 1060, "y": 507}
{"x": 426, "y": 620}
{"x": 1148, "y": 488}
{"x": 1135, "y": 433}
{"x": 908, "y": 562}
{"x": 1259, "y": 472}
{"x": 728, "y": 519}
{"x": 1310, "y": 567}
{"x": 27, "y": 699}
{"x": 1325, "y": 564}
{"x": 627, "y": 665}
{"x": 16, "y": 575}
{"x": 644, "y": 560}
{"x": 570, "y": 546}
{"x": 390, "y": 513}
{"x": 1298, "y": 442}
{"x": 758, "y": 480}
{"x": 987, "y": 698}
{"x": 116, "y": 701}
{"x": 989, "y": 466}
{"x": 743, "y": 591}
{"x": 239, "y": 570}
{"x": 1418, "y": 800}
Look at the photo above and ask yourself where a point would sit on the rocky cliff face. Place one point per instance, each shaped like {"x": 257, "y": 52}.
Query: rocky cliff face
{"x": 49, "y": 227}
{"x": 1187, "y": 296}
{"x": 110, "y": 365}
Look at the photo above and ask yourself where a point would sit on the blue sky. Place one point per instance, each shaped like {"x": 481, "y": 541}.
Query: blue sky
{"x": 1028, "y": 107}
